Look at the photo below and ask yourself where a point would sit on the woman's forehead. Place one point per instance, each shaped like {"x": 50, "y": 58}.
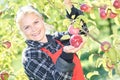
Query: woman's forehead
{"x": 30, "y": 17}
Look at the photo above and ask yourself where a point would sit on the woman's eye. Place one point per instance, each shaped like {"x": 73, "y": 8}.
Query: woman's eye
{"x": 26, "y": 27}
{"x": 36, "y": 22}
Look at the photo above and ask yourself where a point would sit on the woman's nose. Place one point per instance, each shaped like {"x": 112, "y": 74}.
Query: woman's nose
{"x": 34, "y": 28}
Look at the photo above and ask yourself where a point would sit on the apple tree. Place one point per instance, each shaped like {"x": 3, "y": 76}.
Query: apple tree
{"x": 98, "y": 24}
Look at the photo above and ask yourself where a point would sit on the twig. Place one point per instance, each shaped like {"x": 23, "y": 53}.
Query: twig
{"x": 90, "y": 34}
{"x": 76, "y": 3}
{"x": 54, "y": 7}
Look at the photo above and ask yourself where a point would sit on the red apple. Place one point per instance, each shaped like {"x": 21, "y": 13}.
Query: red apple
{"x": 73, "y": 30}
{"x": 105, "y": 46}
{"x": 76, "y": 40}
{"x": 112, "y": 15}
{"x": 85, "y": 8}
{"x": 103, "y": 13}
{"x": 4, "y": 76}
{"x": 116, "y": 4}
{"x": 7, "y": 44}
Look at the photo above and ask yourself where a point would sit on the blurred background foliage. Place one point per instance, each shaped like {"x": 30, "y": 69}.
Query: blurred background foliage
{"x": 92, "y": 58}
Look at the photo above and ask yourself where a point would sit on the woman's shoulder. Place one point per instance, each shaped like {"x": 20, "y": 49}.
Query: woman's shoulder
{"x": 31, "y": 52}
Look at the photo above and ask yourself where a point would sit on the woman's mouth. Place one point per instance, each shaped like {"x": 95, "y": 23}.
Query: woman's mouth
{"x": 36, "y": 34}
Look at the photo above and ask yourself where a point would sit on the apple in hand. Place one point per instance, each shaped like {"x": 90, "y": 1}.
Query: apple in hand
{"x": 105, "y": 46}
{"x": 76, "y": 40}
{"x": 73, "y": 30}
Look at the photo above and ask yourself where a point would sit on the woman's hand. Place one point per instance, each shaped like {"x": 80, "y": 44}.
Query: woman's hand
{"x": 72, "y": 49}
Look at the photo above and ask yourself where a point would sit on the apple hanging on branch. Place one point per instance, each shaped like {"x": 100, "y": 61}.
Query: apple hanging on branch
{"x": 116, "y": 4}
{"x": 106, "y": 13}
{"x": 73, "y": 30}
{"x": 6, "y": 44}
{"x": 4, "y": 75}
{"x": 103, "y": 12}
{"x": 76, "y": 40}
{"x": 85, "y": 8}
{"x": 112, "y": 15}
{"x": 105, "y": 46}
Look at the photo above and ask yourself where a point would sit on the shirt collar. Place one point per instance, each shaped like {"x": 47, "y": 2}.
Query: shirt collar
{"x": 37, "y": 44}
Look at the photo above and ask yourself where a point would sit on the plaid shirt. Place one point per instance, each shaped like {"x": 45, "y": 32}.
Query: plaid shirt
{"x": 39, "y": 66}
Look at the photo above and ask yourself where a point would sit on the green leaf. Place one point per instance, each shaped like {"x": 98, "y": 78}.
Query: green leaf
{"x": 83, "y": 17}
{"x": 94, "y": 30}
{"x": 66, "y": 22}
{"x": 92, "y": 22}
{"x": 91, "y": 58}
{"x": 65, "y": 37}
{"x": 90, "y": 74}
{"x": 92, "y": 15}
{"x": 104, "y": 64}
{"x": 99, "y": 62}
{"x": 112, "y": 54}
{"x": 110, "y": 74}
{"x": 117, "y": 21}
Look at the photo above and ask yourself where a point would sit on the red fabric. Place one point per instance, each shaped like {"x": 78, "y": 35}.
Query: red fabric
{"x": 77, "y": 72}
{"x": 53, "y": 56}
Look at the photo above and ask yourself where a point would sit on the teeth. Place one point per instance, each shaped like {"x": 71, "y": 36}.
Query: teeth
{"x": 36, "y": 34}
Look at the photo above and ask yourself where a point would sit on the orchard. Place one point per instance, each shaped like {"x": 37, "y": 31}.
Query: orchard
{"x": 97, "y": 22}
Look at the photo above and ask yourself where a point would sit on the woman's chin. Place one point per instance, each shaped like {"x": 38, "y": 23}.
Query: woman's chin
{"x": 36, "y": 39}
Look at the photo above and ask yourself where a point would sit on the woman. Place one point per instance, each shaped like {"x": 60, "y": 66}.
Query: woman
{"x": 37, "y": 60}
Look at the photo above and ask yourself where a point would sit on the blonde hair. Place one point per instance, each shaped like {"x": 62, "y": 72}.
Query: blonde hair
{"x": 28, "y": 10}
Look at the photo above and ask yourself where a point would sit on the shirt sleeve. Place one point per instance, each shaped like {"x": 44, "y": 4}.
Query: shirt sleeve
{"x": 67, "y": 57}
{"x": 38, "y": 66}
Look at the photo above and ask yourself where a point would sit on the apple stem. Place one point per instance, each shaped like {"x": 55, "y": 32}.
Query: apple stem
{"x": 94, "y": 38}
{"x": 53, "y": 5}
{"x": 72, "y": 21}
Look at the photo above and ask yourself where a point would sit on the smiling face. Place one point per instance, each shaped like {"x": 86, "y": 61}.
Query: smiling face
{"x": 33, "y": 27}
